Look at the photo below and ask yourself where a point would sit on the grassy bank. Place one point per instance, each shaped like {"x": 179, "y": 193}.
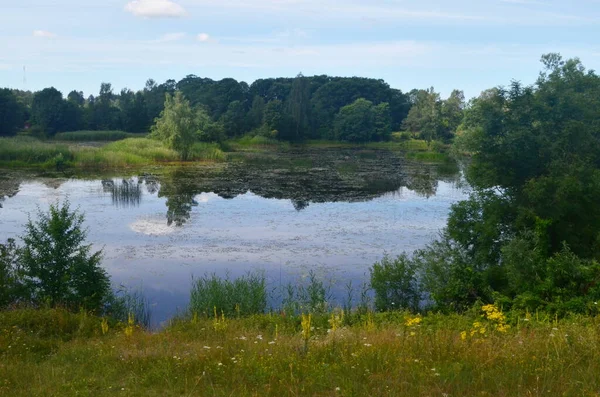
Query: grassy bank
{"x": 95, "y": 136}
{"x": 386, "y": 354}
{"x": 130, "y": 152}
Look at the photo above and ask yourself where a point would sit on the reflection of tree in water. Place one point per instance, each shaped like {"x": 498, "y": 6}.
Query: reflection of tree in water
{"x": 299, "y": 205}
{"x": 9, "y": 187}
{"x": 328, "y": 177}
{"x": 151, "y": 181}
{"x": 424, "y": 179}
{"x": 126, "y": 193}
{"x": 180, "y": 193}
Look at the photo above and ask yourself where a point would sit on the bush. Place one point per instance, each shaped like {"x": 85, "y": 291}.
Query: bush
{"x": 9, "y": 285}
{"x": 395, "y": 284}
{"x": 58, "y": 268}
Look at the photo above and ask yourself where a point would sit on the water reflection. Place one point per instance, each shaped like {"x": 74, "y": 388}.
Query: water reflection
{"x": 125, "y": 193}
{"x": 301, "y": 177}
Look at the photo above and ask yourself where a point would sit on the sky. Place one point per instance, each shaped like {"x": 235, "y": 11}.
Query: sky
{"x": 465, "y": 44}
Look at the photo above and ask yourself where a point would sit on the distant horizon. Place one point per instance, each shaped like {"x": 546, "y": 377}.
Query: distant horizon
{"x": 466, "y": 44}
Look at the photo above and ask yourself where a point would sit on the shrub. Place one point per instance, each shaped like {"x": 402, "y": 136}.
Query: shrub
{"x": 58, "y": 267}
{"x": 395, "y": 284}
{"x": 8, "y": 273}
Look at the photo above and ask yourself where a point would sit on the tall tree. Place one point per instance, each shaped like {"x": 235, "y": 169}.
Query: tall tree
{"x": 48, "y": 110}
{"x": 299, "y": 107}
{"x": 11, "y": 113}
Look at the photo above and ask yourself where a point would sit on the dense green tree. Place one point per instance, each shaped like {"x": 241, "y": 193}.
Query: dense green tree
{"x": 256, "y": 113}
{"x": 11, "y": 113}
{"x": 177, "y": 125}
{"x": 529, "y": 234}
{"x": 234, "y": 118}
{"x": 363, "y": 122}
{"x": 299, "y": 108}
{"x": 58, "y": 267}
{"x": 48, "y": 110}
{"x": 275, "y": 119}
{"x": 134, "y": 113}
{"x": 76, "y": 97}
{"x": 424, "y": 118}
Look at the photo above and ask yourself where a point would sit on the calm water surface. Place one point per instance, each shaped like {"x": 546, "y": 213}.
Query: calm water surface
{"x": 332, "y": 211}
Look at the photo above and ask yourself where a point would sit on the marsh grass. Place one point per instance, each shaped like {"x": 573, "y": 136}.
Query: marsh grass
{"x": 207, "y": 151}
{"x": 376, "y": 354}
{"x": 129, "y": 152}
{"x": 26, "y": 150}
{"x": 243, "y": 296}
{"x": 95, "y": 136}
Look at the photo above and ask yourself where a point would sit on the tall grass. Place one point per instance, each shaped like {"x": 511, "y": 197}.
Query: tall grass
{"x": 127, "y": 152}
{"x": 245, "y": 295}
{"x": 26, "y": 150}
{"x": 207, "y": 151}
{"x": 98, "y": 136}
{"x": 377, "y": 354}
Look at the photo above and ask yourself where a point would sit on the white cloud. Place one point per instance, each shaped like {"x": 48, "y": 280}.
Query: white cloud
{"x": 155, "y": 9}
{"x": 170, "y": 37}
{"x": 43, "y": 33}
{"x": 203, "y": 38}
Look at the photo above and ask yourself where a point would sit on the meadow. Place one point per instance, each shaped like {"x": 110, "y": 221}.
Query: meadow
{"x": 54, "y": 352}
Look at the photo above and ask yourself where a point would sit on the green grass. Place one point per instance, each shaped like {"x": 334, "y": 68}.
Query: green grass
{"x": 207, "y": 151}
{"x": 374, "y": 354}
{"x": 91, "y": 136}
{"x": 243, "y": 296}
{"x": 129, "y": 152}
{"x": 428, "y": 156}
{"x": 29, "y": 151}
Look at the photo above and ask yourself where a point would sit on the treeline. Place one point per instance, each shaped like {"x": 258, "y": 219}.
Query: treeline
{"x": 318, "y": 107}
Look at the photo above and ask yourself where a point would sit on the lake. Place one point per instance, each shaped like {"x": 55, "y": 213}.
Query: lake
{"x": 332, "y": 211}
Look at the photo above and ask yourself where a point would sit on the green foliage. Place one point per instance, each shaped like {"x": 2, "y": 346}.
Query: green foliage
{"x": 207, "y": 151}
{"x": 93, "y": 136}
{"x": 58, "y": 268}
{"x": 363, "y": 122}
{"x": 395, "y": 284}
{"x": 450, "y": 277}
{"x": 528, "y": 235}
{"x": 26, "y": 150}
{"x": 308, "y": 296}
{"x": 51, "y": 113}
{"x": 12, "y": 113}
{"x": 10, "y": 288}
{"x": 434, "y": 118}
{"x": 246, "y": 295}
{"x": 177, "y": 125}
{"x": 562, "y": 283}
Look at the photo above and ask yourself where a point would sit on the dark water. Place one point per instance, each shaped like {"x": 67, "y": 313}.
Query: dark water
{"x": 331, "y": 211}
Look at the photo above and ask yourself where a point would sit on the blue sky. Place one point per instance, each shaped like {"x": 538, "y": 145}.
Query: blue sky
{"x": 466, "y": 44}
